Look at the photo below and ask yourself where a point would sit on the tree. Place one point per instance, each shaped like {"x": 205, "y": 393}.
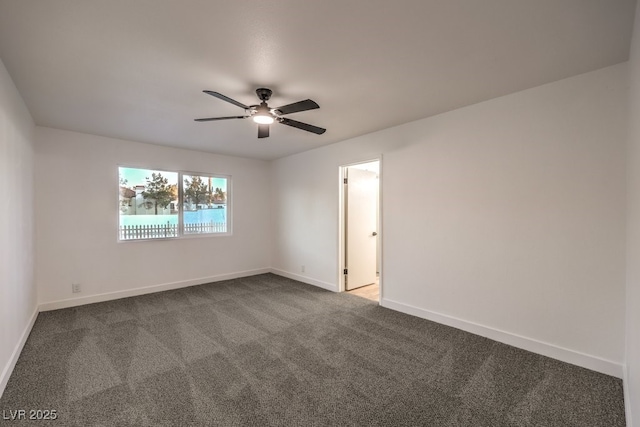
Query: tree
{"x": 125, "y": 197}
{"x": 157, "y": 191}
{"x": 173, "y": 190}
{"x": 197, "y": 191}
{"x": 219, "y": 195}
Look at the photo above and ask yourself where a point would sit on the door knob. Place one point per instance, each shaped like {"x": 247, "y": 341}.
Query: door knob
{"x": 374, "y": 233}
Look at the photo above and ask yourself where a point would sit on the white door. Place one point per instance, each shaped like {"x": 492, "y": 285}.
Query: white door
{"x": 361, "y": 227}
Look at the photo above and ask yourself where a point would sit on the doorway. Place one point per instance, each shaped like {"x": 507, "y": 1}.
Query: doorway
{"x": 360, "y": 254}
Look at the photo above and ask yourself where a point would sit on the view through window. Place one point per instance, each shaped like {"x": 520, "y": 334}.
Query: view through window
{"x": 205, "y": 204}
{"x": 151, "y": 200}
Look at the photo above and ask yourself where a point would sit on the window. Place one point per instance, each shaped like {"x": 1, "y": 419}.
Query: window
{"x": 204, "y": 204}
{"x": 156, "y": 204}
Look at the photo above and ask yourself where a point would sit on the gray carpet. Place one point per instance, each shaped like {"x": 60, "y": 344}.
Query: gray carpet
{"x": 269, "y": 351}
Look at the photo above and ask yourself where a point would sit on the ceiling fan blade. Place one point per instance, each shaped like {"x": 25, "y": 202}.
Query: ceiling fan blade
{"x": 305, "y": 105}
{"x": 210, "y": 119}
{"x": 303, "y": 126}
{"x": 263, "y": 131}
{"x": 226, "y": 98}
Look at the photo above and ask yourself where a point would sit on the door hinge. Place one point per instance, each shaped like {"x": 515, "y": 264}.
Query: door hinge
{"x": 345, "y": 180}
{"x": 344, "y": 271}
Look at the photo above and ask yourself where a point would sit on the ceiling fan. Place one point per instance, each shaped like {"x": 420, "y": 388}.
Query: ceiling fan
{"x": 264, "y": 115}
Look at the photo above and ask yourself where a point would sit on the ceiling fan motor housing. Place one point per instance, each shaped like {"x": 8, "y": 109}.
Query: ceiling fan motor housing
{"x": 263, "y": 109}
{"x": 263, "y": 93}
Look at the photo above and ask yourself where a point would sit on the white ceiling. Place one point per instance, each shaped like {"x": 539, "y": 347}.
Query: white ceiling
{"x": 135, "y": 69}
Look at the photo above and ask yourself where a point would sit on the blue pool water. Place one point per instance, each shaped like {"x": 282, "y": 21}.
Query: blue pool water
{"x": 205, "y": 216}
{"x": 190, "y": 217}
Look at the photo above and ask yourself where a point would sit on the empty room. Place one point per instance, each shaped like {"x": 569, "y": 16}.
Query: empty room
{"x": 280, "y": 213}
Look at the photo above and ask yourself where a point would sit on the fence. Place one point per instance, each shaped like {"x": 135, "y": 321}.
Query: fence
{"x": 205, "y": 227}
{"x": 133, "y": 232}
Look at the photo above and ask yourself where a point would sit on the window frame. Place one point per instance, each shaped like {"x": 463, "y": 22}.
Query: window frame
{"x": 181, "y": 233}
{"x": 180, "y": 208}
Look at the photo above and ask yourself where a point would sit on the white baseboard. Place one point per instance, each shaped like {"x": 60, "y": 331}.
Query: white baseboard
{"x": 8, "y": 369}
{"x": 594, "y": 363}
{"x": 304, "y": 279}
{"x": 627, "y": 396}
{"x": 108, "y": 296}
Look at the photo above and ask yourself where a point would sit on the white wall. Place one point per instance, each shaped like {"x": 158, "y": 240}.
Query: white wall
{"x": 77, "y": 220}
{"x": 632, "y": 379}
{"x": 506, "y": 217}
{"x": 17, "y": 284}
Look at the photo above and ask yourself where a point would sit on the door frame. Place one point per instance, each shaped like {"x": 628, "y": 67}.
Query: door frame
{"x": 342, "y": 222}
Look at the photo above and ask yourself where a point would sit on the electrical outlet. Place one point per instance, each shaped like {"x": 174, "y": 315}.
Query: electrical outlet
{"x": 75, "y": 288}
{"x": 302, "y": 268}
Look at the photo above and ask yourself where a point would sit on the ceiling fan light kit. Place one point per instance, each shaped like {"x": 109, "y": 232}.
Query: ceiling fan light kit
{"x": 263, "y": 119}
{"x": 264, "y": 116}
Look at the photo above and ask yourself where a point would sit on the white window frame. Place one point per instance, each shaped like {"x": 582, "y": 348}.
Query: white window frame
{"x": 180, "y": 229}
{"x": 181, "y": 233}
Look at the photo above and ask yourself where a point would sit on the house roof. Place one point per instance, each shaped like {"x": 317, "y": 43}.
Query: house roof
{"x": 136, "y": 69}
{"x": 127, "y": 192}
